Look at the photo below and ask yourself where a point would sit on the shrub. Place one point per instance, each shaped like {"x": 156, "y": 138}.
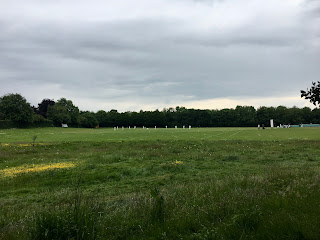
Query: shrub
{"x": 6, "y": 124}
{"x": 88, "y": 120}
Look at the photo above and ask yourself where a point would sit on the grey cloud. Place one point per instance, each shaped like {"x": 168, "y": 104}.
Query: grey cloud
{"x": 232, "y": 40}
{"x": 156, "y": 59}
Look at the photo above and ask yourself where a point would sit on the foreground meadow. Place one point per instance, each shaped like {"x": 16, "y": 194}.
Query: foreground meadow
{"x": 215, "y": 183}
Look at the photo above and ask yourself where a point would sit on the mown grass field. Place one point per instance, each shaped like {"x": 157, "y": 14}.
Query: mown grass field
{"x": 214, "y": 183}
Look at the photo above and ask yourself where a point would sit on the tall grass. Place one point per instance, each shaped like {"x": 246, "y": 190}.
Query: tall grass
{"x": 160, "y": 189}
{"x": 281, "y": 204}
{"x": 78, "y": 219}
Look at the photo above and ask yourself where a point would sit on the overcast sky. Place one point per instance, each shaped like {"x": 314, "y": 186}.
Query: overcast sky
{"x": 148, "y": 54}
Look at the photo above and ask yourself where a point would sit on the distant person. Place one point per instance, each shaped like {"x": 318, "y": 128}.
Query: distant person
{"x": 263, "y": 126}
{"x": 258, "y": 126}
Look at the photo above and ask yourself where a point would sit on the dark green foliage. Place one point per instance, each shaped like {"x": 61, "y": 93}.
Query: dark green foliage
{"x": 43, "y": 107}
{"x": 6, "y": 124}
{"x": 312, "y": 94}
{"x": 64, "y": 111}
{"x": 40, "y": 121}
{"x": 71, "y": 109}
{"x": 36, "y": 123}
{"x": 88, "y": 120}
{"x": 246, "y": 116}
{"x": 264, "y": 114}
{"x": 103, "y": 118}
{"x": 241, "y": 116}
{"x": 58, "y": 114}
{"x": 14, "y": 107}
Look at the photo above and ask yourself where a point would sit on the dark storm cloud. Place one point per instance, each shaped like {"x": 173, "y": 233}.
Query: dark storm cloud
{"x": 157, "y": 53}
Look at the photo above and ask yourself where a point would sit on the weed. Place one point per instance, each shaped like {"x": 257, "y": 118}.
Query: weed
{"x": 157, "y": 202}
{"x": 33, "y": 141}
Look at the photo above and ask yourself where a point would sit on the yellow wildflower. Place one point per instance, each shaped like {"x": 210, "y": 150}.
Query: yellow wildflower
{"x": 177, "y": 162}
{"x": 12, "y": 172}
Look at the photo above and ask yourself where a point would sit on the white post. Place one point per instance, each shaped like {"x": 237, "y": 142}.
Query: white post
{"x": 271, "y": 123}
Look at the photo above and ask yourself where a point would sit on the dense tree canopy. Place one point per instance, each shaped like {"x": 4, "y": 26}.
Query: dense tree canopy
{"x": 72, "y": 111}
{"x": 88, "y": 120}
{"x": 14, "y": 107}
{"x": 102, "y": 118}
{"x": 58, "y": 114}
{"x": 43, "y": 107}
{"x": 241, "y": 116}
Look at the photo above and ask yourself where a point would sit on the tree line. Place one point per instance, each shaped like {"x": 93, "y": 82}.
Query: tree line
{"x": 15, "y": 109}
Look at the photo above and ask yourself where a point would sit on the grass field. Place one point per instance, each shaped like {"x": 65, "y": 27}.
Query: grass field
{"x": 200, "y": 183}
{"x": 57, "y": 135}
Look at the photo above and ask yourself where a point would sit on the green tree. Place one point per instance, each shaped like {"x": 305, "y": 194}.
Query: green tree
{"x": 88, "y": 120}
{"x": 295, "y": 115}
{"x": 102, "y": 117}
{"x": 281, "y": 115}
{"x": 170, "y": 117}
{"x": 316, "y": 115}
{"x": 306, "y": 115}
{"x": 181, "y": 116}
{"x": 14, "y": 107}
{"x": 43, "y": 107}
{"x": 72, "y": 110}
{"x": 246, "y": 116}
{"x": 264, "y": 114}
{"x": 134, "y": 119}
{"x": 227, "y": 118}
{"x": 114, "y": 118}
{"x": 203, "y": 119}
{"x": 313, "y": 94}
{"x": 58, "y": 114}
